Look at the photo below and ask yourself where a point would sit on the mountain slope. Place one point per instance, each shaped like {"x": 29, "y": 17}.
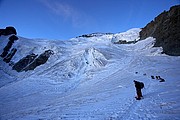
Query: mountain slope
{"x": 90, "y": 78}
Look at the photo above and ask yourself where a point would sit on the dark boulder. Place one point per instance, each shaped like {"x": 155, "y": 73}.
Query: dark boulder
{"x": 165, "y": 28}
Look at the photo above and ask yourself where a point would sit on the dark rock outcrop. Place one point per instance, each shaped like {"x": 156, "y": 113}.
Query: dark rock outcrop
{"x": 8, "y": 58}
{"x": 4, "y": 54}
{"x": 95, "y": 35}
{"x": 40, "y": 60}
{"x": 166, "y": 29}
{"x": 13, "y": 38}
{"x": 21, "y": 64}
{"x": 125, "y": 42}
{"x": 8, "y": 31}
{"x": 9, "y": 45}
{"x": 6, "y": 49}
{"x": 30, "y": 62}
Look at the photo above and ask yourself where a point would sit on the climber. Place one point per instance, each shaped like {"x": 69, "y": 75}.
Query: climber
{"x": 139, "y": 86}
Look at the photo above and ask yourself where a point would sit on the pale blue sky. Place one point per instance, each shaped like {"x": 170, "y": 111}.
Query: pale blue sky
{"x": 64, "y": 19}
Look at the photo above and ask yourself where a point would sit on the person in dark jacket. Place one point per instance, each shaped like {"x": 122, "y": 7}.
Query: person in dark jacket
{"x": 139, "y": 86}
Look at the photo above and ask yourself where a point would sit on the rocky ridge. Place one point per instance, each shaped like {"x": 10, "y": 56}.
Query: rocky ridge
{"x": 29, "y": 62}
{"x": 166, "y": 29}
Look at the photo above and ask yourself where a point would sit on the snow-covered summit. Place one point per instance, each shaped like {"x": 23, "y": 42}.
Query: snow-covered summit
{"x": 130, "y": 35}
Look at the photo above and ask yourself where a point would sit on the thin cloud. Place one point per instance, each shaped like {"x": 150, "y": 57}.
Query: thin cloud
{"x": 67, "y": 11}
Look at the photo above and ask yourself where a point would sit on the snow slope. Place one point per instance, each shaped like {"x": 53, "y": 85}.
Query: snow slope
{"x": 130, "y": 35}
{"x": 91, "y": 79}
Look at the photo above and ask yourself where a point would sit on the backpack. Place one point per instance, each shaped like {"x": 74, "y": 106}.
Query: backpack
{"x": 142, "y": 85}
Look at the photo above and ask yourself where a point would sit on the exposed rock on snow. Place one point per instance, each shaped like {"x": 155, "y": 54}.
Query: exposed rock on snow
{"x": 8, "y": 58}
{"x": 165, "y": 28}
{"x": 22, "y": 63}
{"x": 27, "y": 63}
{"x": 9, "y": 45}
{"x": 95, "y": 35}
{"x": 8, "y": 31}
{"x": 41, "y": 59}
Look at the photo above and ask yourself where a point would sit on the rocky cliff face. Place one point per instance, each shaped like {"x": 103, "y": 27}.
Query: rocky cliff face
{"x": 166, "y": 29}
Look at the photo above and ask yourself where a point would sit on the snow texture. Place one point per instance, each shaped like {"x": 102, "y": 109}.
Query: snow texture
{"x": 130, "y": 35}
{"x": 91, "y": 79}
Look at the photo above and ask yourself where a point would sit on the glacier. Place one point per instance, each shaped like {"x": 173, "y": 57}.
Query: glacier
{"x": 91, "y": 78}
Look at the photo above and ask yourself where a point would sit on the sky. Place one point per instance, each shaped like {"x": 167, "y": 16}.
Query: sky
{"x": 65, "y": 19}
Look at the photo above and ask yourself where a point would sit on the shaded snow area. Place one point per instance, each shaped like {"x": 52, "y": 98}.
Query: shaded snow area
{"x": 90, "y": 79}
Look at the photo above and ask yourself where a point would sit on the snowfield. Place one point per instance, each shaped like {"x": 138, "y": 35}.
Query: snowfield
{"x": 91, "y": 79}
